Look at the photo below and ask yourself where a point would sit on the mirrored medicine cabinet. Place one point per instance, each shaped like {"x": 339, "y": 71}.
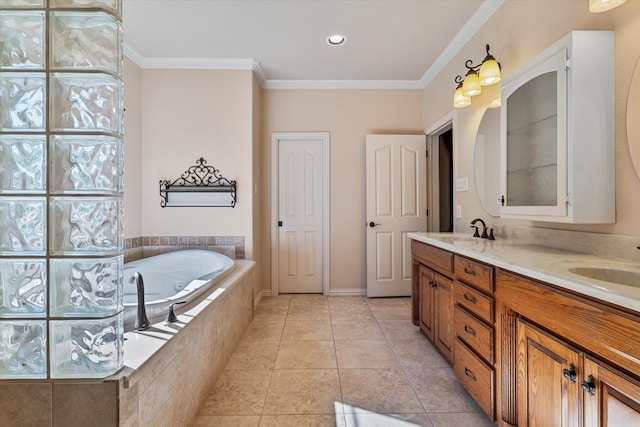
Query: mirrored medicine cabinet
{"x": 557, "y": 146}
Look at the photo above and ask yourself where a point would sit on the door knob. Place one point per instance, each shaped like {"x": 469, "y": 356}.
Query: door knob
{"x": 373, "y": 224}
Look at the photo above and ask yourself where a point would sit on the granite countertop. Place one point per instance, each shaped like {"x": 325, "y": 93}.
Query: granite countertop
{"x": 543, "y": 263}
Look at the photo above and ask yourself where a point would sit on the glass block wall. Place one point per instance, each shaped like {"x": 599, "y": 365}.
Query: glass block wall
{"x": 61, "y": 164}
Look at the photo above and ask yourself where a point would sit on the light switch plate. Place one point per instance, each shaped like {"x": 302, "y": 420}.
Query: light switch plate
{"x": 458, "y": 211}
{"x": 462, "y": 184}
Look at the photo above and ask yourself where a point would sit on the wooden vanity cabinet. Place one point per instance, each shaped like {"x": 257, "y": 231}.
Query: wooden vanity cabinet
{"x": 557, "y": 353}
{"x": 433, "y": 286}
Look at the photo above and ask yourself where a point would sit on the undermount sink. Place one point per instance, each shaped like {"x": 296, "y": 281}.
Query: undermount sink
{"x": 619, "y": 273}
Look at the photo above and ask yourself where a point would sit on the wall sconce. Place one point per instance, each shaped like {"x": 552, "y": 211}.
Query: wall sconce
{"x": 597, "y": 6}
{"x": 485, "y": 74}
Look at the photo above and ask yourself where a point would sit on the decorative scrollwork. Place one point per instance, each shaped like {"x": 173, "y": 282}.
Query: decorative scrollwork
{"x": 199, "y": 178}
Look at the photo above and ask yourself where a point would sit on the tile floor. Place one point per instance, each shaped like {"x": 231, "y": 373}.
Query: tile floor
{"x": 310, "y": 360}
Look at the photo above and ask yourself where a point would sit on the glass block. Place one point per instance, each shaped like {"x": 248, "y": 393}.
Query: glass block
{"x": 22, "y": 164}
{"x": 86, "y": 348}
{"x": 81, "y": 164}
{"x": 85, "y": 40}
{"x": 8, "y": 4}
{"x": 22, "y": 287}
{"x": 22, "y": 40}
{"x": 114, "y": 5}
{"x": 82, "y": 226}
{"x": 23, "y": 225}
{"x": 23, "y": 349}
{"x": 87, "y": 287}
{"x": 22, "y": 101}
{"x": 87, "y": 102}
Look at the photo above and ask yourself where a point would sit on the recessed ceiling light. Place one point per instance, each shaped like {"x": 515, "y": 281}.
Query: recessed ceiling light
{"x": 336, "y": 40}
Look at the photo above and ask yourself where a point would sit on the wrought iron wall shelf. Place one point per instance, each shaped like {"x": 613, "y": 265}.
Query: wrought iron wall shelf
{"x": 199, "y": 185}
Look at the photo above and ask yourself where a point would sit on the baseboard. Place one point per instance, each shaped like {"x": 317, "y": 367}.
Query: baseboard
{"x": 258, "y": 298}
{"x": 347, "y": 292}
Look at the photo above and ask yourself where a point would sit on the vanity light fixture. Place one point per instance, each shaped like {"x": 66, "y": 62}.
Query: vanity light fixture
{"x": 597, "y": 6}
{"x": 485, "y": 74}
{"x": 336, "y": 40}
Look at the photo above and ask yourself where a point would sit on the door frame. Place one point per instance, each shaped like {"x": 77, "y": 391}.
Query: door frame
{"x": 433, "y": 133}
{"x": 276, "y": 137}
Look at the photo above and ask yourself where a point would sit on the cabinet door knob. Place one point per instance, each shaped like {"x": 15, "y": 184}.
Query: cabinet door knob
{"x": 570, "y": 373}
{"x": 433, "y": 283}
{"x": 589, "y": 385}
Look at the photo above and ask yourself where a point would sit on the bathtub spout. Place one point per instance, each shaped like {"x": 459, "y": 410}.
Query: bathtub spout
{"x": 142, "y": 322}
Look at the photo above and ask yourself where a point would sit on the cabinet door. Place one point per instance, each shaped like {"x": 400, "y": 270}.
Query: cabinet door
{"x": 444, "y": 316}
{"x": 610, "y": 398}
{"x": 534, "y": 140}
{"x": 547, "y": 380}
{"x": 427, "y": 286}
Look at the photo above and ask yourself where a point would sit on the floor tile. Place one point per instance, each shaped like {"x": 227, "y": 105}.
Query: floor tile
{"x": 303, "y": 421}
{"x": 306, "y": 355}
{"x": 303, "y": 392}
{"x": 365, "y": 354}
{"x": 308, "y": 310}
{"x": 238, "y": 393}
{"x": 254, "y": 355}
{"x": 346, "y": 312}
{"x": 417, "y": 353}
{"x": 264, "y": 330}
{"x": 382, "y": 391}
{"x": 349, "y": 301}
{"x": 307, "y": 330}
{"x": 227, "y": 421}
{"x": 399, "y": 329}
{"x": 440, "y": 391}
{"x": 361, "y": 329}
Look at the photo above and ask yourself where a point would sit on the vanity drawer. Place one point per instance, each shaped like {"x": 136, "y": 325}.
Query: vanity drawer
{"x": 432, "y": 256}
{"x": 475, "y": 376}
{"x": 475, "y": 333}
{"x": 474, "y": 273}
{"x": 474, "y": 301}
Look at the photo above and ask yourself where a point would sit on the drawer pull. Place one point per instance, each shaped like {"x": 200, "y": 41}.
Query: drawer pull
{"x": 468, "y": 373}
{"x": 470, "y": 331}
{"x": 471, "y": 272}
{"x": 433, "y": 283}
{"x": 472, "y": 300}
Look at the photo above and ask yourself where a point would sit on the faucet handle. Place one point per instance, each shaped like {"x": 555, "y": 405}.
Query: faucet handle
{"x": 475, "y": 233}
{"x": 491, "y": 237}
{"x": 171, "y": 316}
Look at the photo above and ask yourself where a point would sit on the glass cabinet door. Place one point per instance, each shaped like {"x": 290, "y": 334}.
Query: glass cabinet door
{"x": 534, "y": 139}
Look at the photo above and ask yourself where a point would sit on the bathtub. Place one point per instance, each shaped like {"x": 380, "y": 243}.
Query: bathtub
{"x": 172, "y": 277}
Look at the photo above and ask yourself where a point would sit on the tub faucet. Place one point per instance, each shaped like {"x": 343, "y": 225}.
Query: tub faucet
{"x": 484, "y": 234}
{"x": 142, "y": 322}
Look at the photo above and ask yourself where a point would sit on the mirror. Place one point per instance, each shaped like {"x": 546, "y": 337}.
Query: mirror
{"x": 487, "y": 161}
{"x": 633, "y": 116}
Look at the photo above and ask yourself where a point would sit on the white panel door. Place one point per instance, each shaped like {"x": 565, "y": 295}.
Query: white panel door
{"x": 300, "y": 216}
{"x": 396, "y": 206}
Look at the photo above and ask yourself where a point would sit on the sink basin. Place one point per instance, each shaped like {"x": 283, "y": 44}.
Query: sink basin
{"x": 610, "y": 272}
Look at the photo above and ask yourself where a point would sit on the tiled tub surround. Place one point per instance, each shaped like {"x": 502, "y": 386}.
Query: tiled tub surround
{"x": 547, "y": 255}
{"x": 169, "y": 369}
{"x": 144, "y": 247}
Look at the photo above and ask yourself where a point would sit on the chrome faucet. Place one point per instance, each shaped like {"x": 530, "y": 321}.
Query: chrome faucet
{"x": 484, "y": 234}
{"x": 142, "y": 322}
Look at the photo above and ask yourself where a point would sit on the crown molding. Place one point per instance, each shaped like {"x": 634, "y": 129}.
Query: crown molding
{"x": 477, "y": 20}
{"x": 344, "y": 84}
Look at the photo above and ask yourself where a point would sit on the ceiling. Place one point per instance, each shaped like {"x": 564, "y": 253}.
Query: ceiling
{"x": 390, "y": 43}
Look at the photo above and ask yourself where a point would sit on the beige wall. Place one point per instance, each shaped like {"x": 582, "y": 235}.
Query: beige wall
{"x": 258, "y": 255}
{"x": 188, "y": 114}
{"x": 517, "y": 32}
{"x": 348, "y": 115}
{"x": 132, "y": 150}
